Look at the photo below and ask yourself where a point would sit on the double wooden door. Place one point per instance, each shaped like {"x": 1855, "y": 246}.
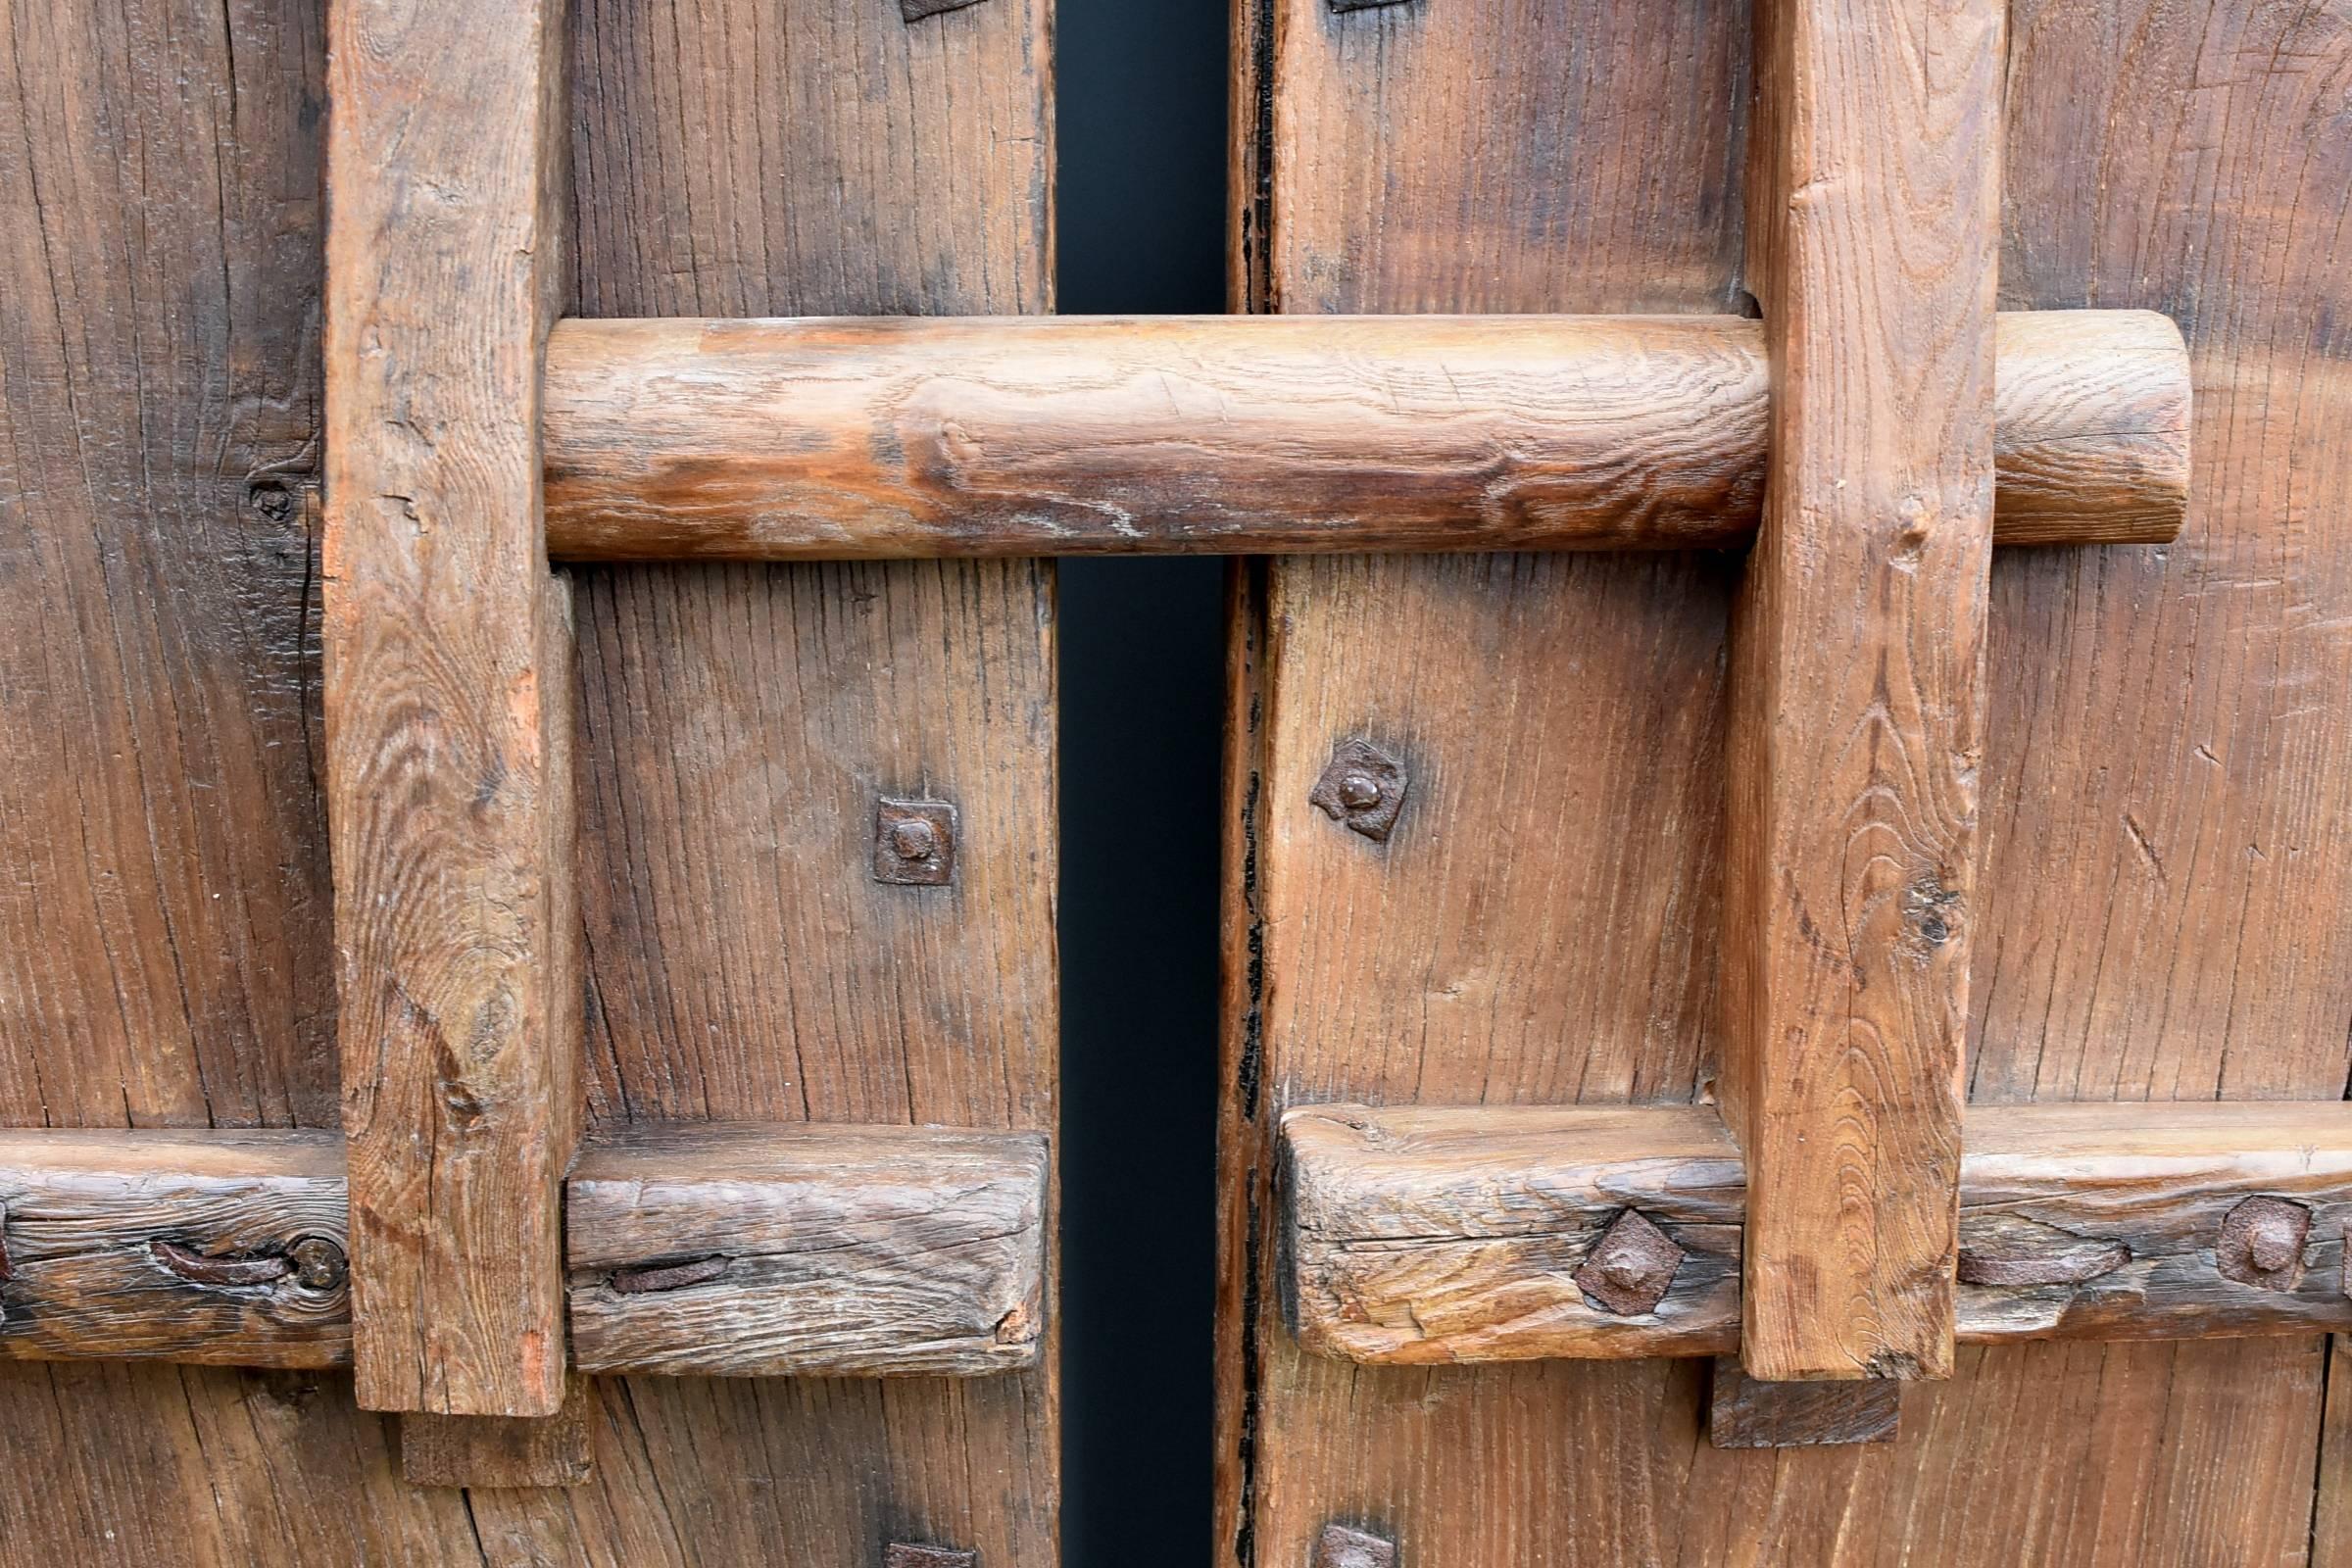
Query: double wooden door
{"x": 2159, "y": 827}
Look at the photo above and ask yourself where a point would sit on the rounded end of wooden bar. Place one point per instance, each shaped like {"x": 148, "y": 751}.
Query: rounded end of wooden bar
{"x": 2092, "y": 444}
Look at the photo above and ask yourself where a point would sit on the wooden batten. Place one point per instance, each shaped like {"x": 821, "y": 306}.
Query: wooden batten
{"x": 1856, "y": 673}
{"x": 1429, "y": 1236}
{"x": 985, "y": 436}
{"x": 728, "y": 1251}
{"x": 766, "y": 1252}
{"x": 447, "y": 664}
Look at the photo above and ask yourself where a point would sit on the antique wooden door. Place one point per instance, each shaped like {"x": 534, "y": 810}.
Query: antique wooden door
{"x": 1790, "y": 623}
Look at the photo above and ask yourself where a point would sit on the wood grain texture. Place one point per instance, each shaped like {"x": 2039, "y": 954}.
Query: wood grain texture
{"x": 165, "y": 912}
{"x": 748, "y": 158}
{"x": 174, "y": 1247}
{"x": 1858, "y": 648}
{"x": 848, "y": 437}
{"x": 449, "y": 701}
{"x": 502, "y": 1451}
{"x": 1557, "y": 155}
{"x": 1428, "y": 1235}
{"x": 837, "y": 1250}
{"x": 1744, "y": 1412}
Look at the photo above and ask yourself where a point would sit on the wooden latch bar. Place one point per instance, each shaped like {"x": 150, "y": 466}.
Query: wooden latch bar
{"x": 448, "y": 653}
{"x": 1071, "y": 435}
{"x": 1857, "y": 663}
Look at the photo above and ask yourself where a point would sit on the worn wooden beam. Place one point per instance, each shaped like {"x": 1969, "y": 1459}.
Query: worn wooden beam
{"x": 1858, "y": 648}
{"x": 492, "y": 1450}
{"x": 209, "y": 1247}
{"x": 1744, "y": 1412}
{"x": 980, "y": 436}
{"x": 766, "y": 1252}
{"x": 737, "y": 1250}
{"x": 1428, "y": 1236}
{"x": 449, "y": 700}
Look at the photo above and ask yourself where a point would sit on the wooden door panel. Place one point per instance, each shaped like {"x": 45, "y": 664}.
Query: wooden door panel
{"x": 2160, "y": 833}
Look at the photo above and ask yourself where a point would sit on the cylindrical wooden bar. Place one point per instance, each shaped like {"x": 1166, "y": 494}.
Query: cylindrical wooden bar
{"x": 843, "y": 437}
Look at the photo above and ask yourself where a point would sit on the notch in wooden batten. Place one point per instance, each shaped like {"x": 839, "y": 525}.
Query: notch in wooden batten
{"x": 448, "y": 653}
{"x": 1429, "y": 1236}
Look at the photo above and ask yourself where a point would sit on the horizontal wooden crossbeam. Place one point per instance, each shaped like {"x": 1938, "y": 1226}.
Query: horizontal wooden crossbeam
{"x": 1503, "y": 1233}
{"x": 723, "y": 1251}
{"x": 1072, "y": 435}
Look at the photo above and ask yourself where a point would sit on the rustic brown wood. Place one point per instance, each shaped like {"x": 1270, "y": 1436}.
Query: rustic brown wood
{"x": 449, "y": 705}
{"x": 746, "y": 158}
{"x": 216, "y": 1247}
{"x": 841, "y": 437}
{"x": 1744, "y": 1412}
{"x": 839, "y": 1253}
{"x": 466, "y": 1450}
{"x": 2161, "y": 838}
{"x": 1857, "y": 663}
{"x": 1428, "y": 1235}
{"x": 842, "y": 1251}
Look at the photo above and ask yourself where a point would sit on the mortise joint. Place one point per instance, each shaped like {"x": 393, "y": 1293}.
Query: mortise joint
{"x": 656, "y": 1277}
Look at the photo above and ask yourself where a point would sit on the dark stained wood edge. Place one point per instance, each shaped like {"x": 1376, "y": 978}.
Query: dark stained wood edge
{"x": 846, "y": 1252}
{"x": 1429, "y": 1235}
{"x": 1744, "y": 1412}
{"x": 491, "y": 1451}
{"x": 861, "y": 437}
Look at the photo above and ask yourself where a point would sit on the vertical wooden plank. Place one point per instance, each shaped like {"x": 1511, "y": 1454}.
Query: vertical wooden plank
{"x": 449, "y": 701}
{"x": 2156, "y": 799}
{"x": 759, "y": 157}
{"x": 1857, "y": 718}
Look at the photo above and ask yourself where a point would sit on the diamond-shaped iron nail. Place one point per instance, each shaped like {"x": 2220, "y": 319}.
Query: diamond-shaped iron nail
{"x": 1630, "y": 1267}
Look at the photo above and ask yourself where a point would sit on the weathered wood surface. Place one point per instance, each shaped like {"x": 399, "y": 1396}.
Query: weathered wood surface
{"x": 2162, "y": 837}
{"x": 743, "y": 1251}
{"x": 1425, "y": 1236}
{"x": 1744, "y": 1412}
{"x": 848, "y": 438}
{"x": 201, "y": 1246}
{"x": 491, "y": 1451}
{"x": 775, "y": 1251}
{"x": 747, "y": 158}
{"x": 1857, "y": 667}
{"x": 449, "y": 700}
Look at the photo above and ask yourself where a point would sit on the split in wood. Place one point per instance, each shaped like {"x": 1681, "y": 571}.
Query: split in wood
{"x": 1428, "y": 1235}
{"x": 1070, "y": 435}
{"x": 722, "y": 1251}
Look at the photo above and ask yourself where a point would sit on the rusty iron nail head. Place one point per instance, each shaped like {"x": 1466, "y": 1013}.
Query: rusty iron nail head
{"x": 198, "y": 1269}
{"x": 2262, "y": 1243}
{"x": 1631, "y": 1266}
{"x": 1345, "y": 1546}
{"x": 319, "y": 1263}
{"x": 914, "y": 843}
{"x": 907, "y": 1554}
{"x": 1362, "y": 788}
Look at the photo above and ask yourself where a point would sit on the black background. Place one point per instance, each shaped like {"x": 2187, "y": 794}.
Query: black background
{"x": 1140, "y": 91}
